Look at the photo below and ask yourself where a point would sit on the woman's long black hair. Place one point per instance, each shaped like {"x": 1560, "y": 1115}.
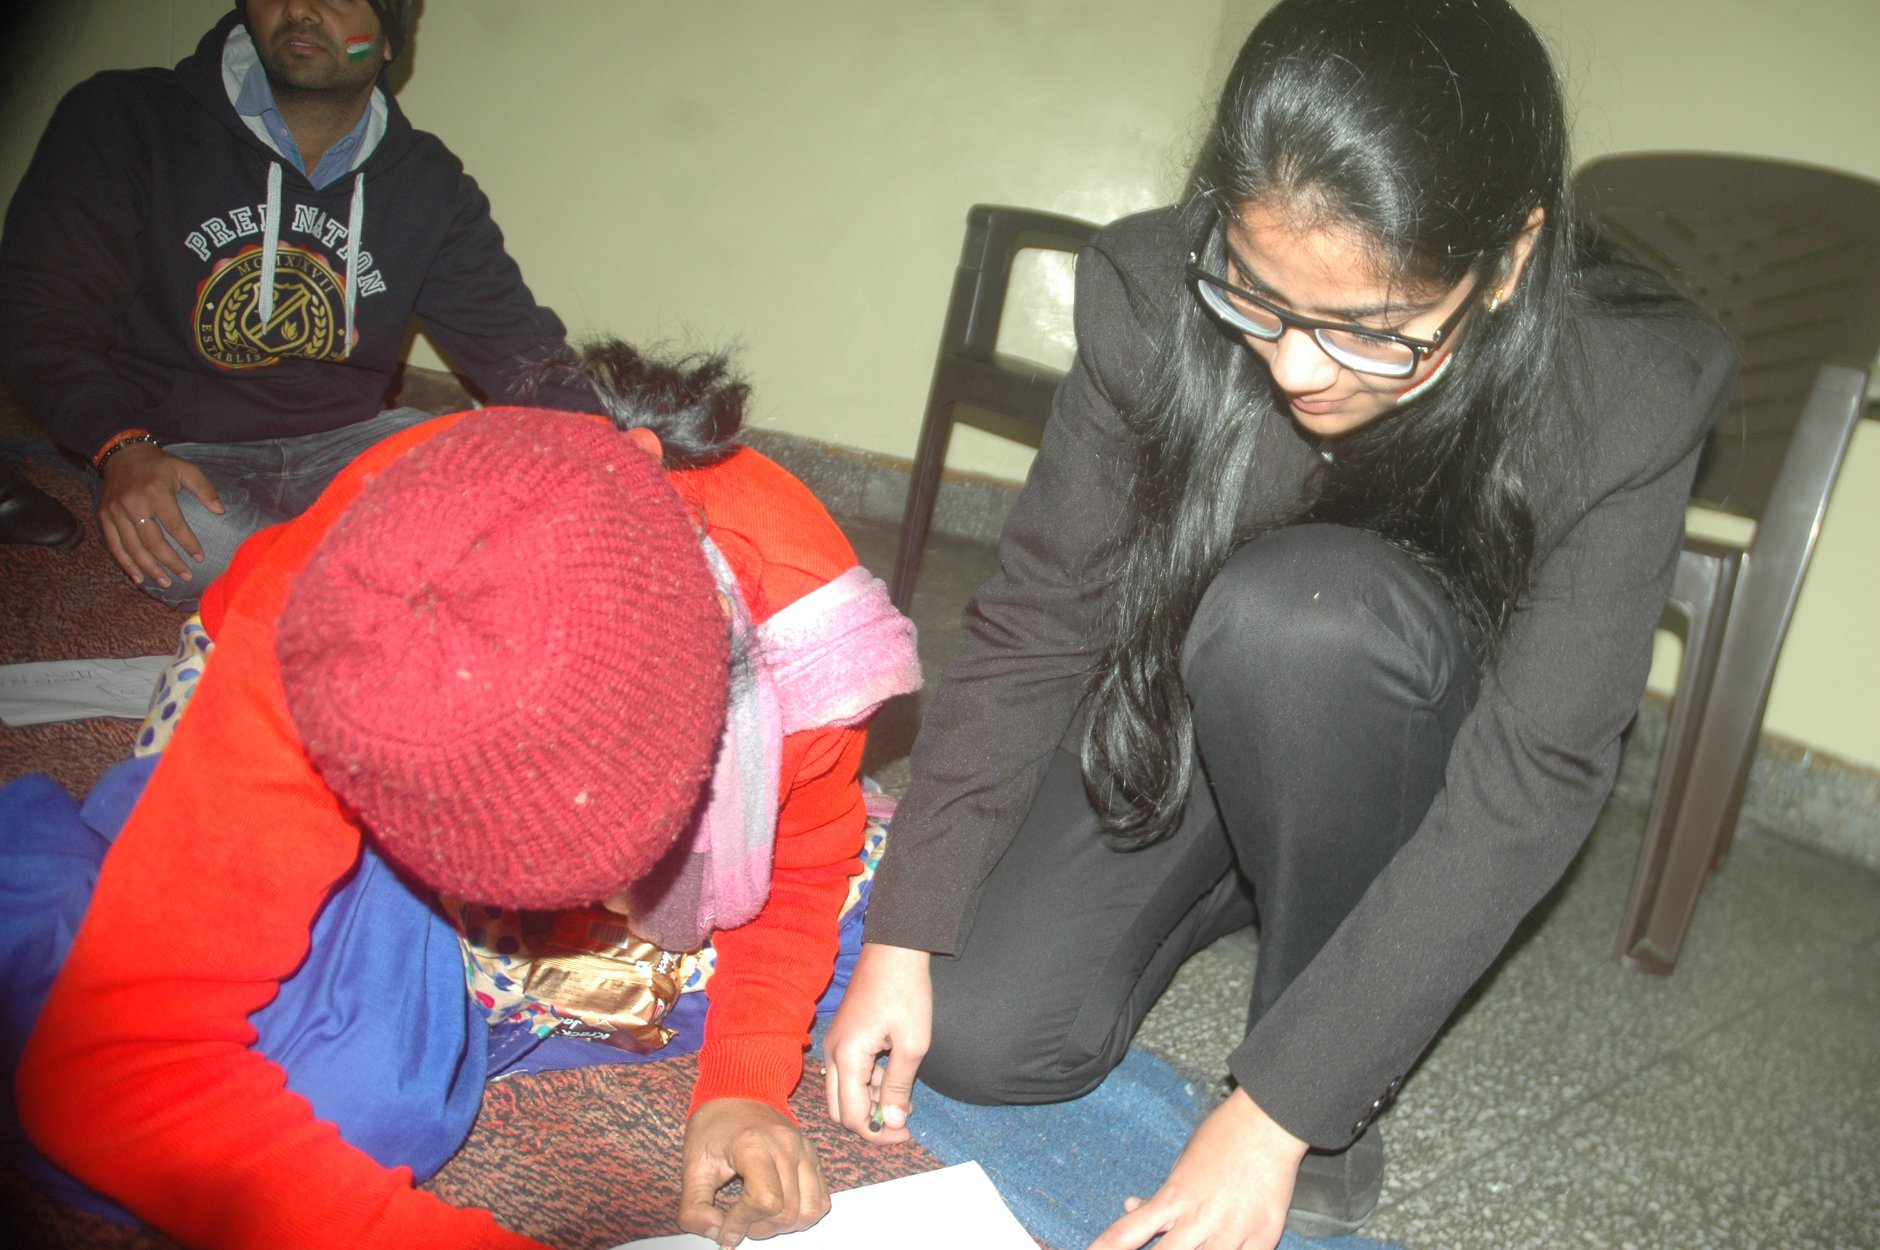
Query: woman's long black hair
{"x": 694, "y": 403}
{"x": 1432, "y": 129}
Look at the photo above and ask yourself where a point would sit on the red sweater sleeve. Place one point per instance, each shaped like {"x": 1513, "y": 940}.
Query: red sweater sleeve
{"x": 772, "y": 970}
{"x": 782, "y": 544}
{"x": 140, "y": 1078}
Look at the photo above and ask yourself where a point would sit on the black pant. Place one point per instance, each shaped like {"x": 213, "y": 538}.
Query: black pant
{"x": 1328, "y": 675}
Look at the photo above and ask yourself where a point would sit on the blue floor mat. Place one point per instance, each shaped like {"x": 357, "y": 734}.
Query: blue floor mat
{"x": 1065, "y": 1168}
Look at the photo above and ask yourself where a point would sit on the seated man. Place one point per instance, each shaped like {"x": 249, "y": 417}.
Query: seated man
{"x": 207, "y": 276}
{"x": 508, "y": 658}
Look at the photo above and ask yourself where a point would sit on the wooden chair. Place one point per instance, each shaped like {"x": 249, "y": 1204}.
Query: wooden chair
{"x": 969, "y": 369}
{"x": 1787, "y": 257}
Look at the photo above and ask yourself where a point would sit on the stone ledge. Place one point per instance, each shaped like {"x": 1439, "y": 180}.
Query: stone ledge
{"x": 873, "y": 487}
{"x": 1795, "y": 793}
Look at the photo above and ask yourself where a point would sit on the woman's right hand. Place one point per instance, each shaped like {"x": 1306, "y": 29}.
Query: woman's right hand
{"x": 886, "y": 1011}
{"x": 1229, "y": 1189}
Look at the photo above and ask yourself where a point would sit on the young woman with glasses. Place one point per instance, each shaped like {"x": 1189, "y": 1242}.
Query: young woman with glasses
{"x": 1329, "y": 595}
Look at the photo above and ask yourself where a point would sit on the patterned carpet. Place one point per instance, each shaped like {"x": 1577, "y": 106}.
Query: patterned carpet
{"x": 587, "y": 1158}
{"x": 581, "y": 1160}
{"x": 71, "y": 605}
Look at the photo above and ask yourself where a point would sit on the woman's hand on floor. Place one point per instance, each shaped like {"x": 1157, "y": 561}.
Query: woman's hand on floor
{"x": 1229, "y": 1190}
{"x": 783, "y": 1184}
{"x": 887, "y": 1010}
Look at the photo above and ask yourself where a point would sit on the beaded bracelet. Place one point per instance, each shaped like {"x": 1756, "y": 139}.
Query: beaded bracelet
{"x": 119, "y": 444}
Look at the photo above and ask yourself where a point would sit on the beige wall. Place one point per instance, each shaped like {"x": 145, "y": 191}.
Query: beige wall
{"x": 792, "y": 178}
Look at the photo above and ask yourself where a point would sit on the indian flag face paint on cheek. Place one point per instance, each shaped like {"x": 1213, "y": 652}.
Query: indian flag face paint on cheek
{"x": 359, "y": 47}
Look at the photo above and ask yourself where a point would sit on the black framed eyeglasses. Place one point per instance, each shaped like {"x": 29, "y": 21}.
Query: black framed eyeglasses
{"x": 1359, "y": 348}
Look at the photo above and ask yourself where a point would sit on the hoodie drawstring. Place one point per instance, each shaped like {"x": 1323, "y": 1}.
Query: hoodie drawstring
{"x": 271, "y": 247}
{"x": 355, "y": 224}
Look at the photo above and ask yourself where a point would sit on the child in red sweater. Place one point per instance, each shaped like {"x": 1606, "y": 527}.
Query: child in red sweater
{"x": 509, "y": 658}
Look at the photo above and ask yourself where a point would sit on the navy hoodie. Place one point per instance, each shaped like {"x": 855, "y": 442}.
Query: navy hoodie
{"x": 133, "y": 266}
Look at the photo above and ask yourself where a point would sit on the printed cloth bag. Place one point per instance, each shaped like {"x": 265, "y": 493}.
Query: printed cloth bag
{"x": 176, "y": 685}
{"x": 532, "y": 1033}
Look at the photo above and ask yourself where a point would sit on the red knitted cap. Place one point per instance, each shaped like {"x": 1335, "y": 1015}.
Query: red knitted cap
{"x": 509, "y": 658}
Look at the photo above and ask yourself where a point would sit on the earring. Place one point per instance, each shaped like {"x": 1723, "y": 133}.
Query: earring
{"x": 1496, "y": 299}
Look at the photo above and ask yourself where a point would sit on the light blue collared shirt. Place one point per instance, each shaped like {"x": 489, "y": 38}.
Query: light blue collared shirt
{"x": 256, "y": 99}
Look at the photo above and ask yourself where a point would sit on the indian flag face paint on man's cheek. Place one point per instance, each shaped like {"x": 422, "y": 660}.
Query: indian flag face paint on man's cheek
{"x": 359, "y": 47}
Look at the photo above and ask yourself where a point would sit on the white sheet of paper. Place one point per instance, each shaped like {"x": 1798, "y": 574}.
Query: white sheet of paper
{"x": 56, "y": 690}
{"x": 949, "y": 1209}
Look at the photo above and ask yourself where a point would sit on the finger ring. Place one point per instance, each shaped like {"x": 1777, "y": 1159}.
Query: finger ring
{"x": 145, "y": 520}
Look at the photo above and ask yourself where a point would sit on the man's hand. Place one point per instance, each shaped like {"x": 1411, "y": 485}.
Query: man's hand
{"x": 886, "y": 1010}
{"x": 1229, "y": 1190}
{"x": 138, "y": 514}
{"x": 783, "y": 1185}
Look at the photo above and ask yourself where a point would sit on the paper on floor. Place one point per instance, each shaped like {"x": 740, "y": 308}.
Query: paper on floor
{"x": 56, "y": 690}
{"x": 945, "y": 1210}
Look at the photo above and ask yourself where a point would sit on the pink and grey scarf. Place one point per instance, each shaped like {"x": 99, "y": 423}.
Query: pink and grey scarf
{"x": 829, "y": 659}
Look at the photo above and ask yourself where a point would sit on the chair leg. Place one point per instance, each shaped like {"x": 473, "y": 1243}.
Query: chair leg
{"x": 1720, "y": 762}
{"x": 1678, "y": 851}
{"x": 1771, "y": 579}
{"x": 923, "y": 491}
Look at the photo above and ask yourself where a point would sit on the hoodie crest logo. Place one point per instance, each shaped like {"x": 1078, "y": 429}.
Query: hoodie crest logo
{"x": 307, "y": 323}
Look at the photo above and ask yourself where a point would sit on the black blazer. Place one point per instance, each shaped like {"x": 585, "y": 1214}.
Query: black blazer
{"x": 1529, "y": 769}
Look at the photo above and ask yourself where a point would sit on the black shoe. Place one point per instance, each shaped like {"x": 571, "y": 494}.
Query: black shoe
{"x": 1337, "y": 1192}
{"x": 30, "y": 515}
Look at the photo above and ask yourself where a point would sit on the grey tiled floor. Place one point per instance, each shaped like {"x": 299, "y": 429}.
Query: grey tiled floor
{"x": 1733, "y": 1105}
